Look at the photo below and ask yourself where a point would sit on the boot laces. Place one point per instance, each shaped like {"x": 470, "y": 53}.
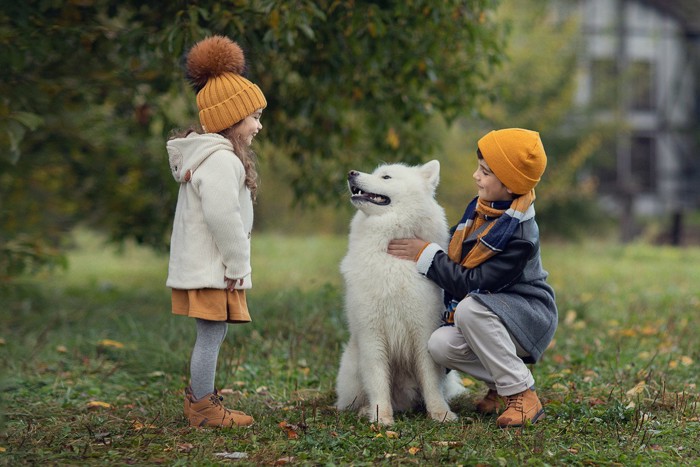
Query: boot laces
{"x": 216, "y": 400}
{"x": 516, "y": 402}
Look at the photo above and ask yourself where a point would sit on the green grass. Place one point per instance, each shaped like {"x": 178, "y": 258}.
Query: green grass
{"x": 619, "y": 382}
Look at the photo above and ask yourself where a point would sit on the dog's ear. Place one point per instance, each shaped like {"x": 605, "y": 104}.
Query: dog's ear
{"x": 431, "y": 172}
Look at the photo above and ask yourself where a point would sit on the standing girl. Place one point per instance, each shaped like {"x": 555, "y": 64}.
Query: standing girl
{"x": 209, "y": 268}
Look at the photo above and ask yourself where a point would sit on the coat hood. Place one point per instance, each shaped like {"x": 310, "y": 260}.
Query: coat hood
{"x": 186, "y": 154}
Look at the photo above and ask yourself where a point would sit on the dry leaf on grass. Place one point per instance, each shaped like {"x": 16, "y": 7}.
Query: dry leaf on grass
{"x": 98, "y": 405}
{"x": 110, "y": 343}
{"x": 291, "y": 430}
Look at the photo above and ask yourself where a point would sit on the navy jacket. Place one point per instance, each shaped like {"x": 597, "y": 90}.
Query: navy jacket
{"x": 512, "y": 284}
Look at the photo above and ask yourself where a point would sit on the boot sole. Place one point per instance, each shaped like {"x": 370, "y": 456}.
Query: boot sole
{"x": 538, "y": 416}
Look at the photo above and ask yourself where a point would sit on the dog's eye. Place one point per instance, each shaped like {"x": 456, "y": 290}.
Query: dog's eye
{"x": 386, "y": 177}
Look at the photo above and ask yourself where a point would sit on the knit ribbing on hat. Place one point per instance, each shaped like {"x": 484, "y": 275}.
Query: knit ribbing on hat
{"x": 226, "y": 100}
{"x": 516, "y": 156}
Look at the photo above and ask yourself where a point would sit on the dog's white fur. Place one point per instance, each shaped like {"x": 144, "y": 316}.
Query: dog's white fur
{"x": 391, "y": 309}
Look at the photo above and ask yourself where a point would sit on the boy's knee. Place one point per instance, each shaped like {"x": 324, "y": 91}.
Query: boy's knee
{"x": 464, "y": 312}
{"x": 437, "y": 347}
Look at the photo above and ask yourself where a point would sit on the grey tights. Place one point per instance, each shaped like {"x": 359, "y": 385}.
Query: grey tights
{"x": 210, "y": 335}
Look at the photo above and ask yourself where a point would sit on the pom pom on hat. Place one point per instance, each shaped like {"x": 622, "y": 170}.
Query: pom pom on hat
{"x": 213, "y": 57}
{"x": 215, "y": 68}
{"x": 516, "y": 156}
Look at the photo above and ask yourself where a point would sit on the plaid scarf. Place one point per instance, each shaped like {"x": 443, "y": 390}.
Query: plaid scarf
{"x": 492, "y": 237}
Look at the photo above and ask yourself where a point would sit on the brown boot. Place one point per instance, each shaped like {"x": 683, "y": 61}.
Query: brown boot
{"x": 491, "y": 403}
{"x": 521, "y": 408}
{"x": 208, "y": 411}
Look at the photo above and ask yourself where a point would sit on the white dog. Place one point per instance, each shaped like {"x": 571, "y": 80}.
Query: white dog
{"x": 391, "y": 309}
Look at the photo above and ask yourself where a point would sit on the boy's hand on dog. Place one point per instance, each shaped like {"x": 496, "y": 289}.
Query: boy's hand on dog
{"x": 406, "y": 248}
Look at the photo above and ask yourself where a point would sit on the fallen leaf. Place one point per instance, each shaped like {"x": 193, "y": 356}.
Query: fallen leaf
{"x": 110, "y": 343}
{"x": 185, "y": 447}
{"x": 413, "y": 450}
{"x": 138, "y": 426}
{"x": 392, "y": 435}
{"x": 291, "y": 430}
{"x": 558, "y": 358}
{"x": 98, "y": 404}
{"x": 284, "y": 460}
{"x": 466, "y": 382}
{"x": 61, "y": 349}
{"x": 595, "y": 401}
{"x": 560, "y": 387}
{"x": 686, "y": 361}
{"x": 637, "y": 389}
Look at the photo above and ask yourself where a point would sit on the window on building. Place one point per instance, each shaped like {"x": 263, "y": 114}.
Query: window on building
{"x": 643, "y": 162}
{"x": 641, "y": 80}
{"x": 603, "y": 83}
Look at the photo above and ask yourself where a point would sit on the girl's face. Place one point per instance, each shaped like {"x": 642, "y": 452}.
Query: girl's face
{"x": 249, "y": 127}
{"x": 490, "y": 187}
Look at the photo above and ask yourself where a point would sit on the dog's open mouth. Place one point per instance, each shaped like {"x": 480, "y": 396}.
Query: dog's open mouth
{"x": 359, "y": 195}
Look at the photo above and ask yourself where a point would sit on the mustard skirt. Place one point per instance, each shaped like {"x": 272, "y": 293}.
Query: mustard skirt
{"x": 211, "y": 304}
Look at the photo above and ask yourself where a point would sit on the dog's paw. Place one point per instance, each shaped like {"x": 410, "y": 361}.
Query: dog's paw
{"x": 448, "y": 416}
{"x": 385, "y": 421}
{"x": 384, "y": 418}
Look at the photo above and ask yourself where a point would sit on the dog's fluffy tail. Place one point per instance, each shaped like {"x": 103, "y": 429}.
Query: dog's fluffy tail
{"x": 452, "y": 386}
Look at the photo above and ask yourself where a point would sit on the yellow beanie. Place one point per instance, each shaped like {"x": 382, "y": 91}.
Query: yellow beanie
{"x": 215, "y": 66}
{"x": 516, "y": 156}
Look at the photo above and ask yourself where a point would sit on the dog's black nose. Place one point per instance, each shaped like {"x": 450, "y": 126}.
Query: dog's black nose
{"x": 353, "y": 174}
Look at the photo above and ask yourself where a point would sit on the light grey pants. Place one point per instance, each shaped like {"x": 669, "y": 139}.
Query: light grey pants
{"x": 481, "y": 346}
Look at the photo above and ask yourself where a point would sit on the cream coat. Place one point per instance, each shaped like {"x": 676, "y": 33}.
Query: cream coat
{"x": 213, "y": 217}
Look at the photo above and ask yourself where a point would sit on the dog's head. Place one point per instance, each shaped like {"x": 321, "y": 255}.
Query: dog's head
{"x": 393, "y": 186}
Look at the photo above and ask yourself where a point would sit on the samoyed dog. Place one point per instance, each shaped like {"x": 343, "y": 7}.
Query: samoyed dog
{"x": 391, "y": 309}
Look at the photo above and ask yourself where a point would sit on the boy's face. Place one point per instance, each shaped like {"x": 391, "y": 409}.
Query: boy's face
{"x": 490, "y": 187}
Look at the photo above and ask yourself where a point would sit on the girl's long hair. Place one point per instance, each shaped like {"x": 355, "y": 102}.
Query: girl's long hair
{"x": 240, "y": 149}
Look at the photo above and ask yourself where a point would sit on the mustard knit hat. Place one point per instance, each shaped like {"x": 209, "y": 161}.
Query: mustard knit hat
{"x": 215, "y": 66}
{"x": 516, "y": 156}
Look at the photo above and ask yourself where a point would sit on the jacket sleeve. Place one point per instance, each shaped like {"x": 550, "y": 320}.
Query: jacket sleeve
{"x": 493, "y": 275}
{"x": 220, "y": 179}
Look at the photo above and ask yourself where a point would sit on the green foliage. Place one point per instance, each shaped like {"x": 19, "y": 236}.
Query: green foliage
{"x": 91, "y": 89}
{"x": 619, "y": 382}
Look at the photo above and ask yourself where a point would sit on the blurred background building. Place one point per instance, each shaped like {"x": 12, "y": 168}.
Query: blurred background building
{"x": 640, "y": 70}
